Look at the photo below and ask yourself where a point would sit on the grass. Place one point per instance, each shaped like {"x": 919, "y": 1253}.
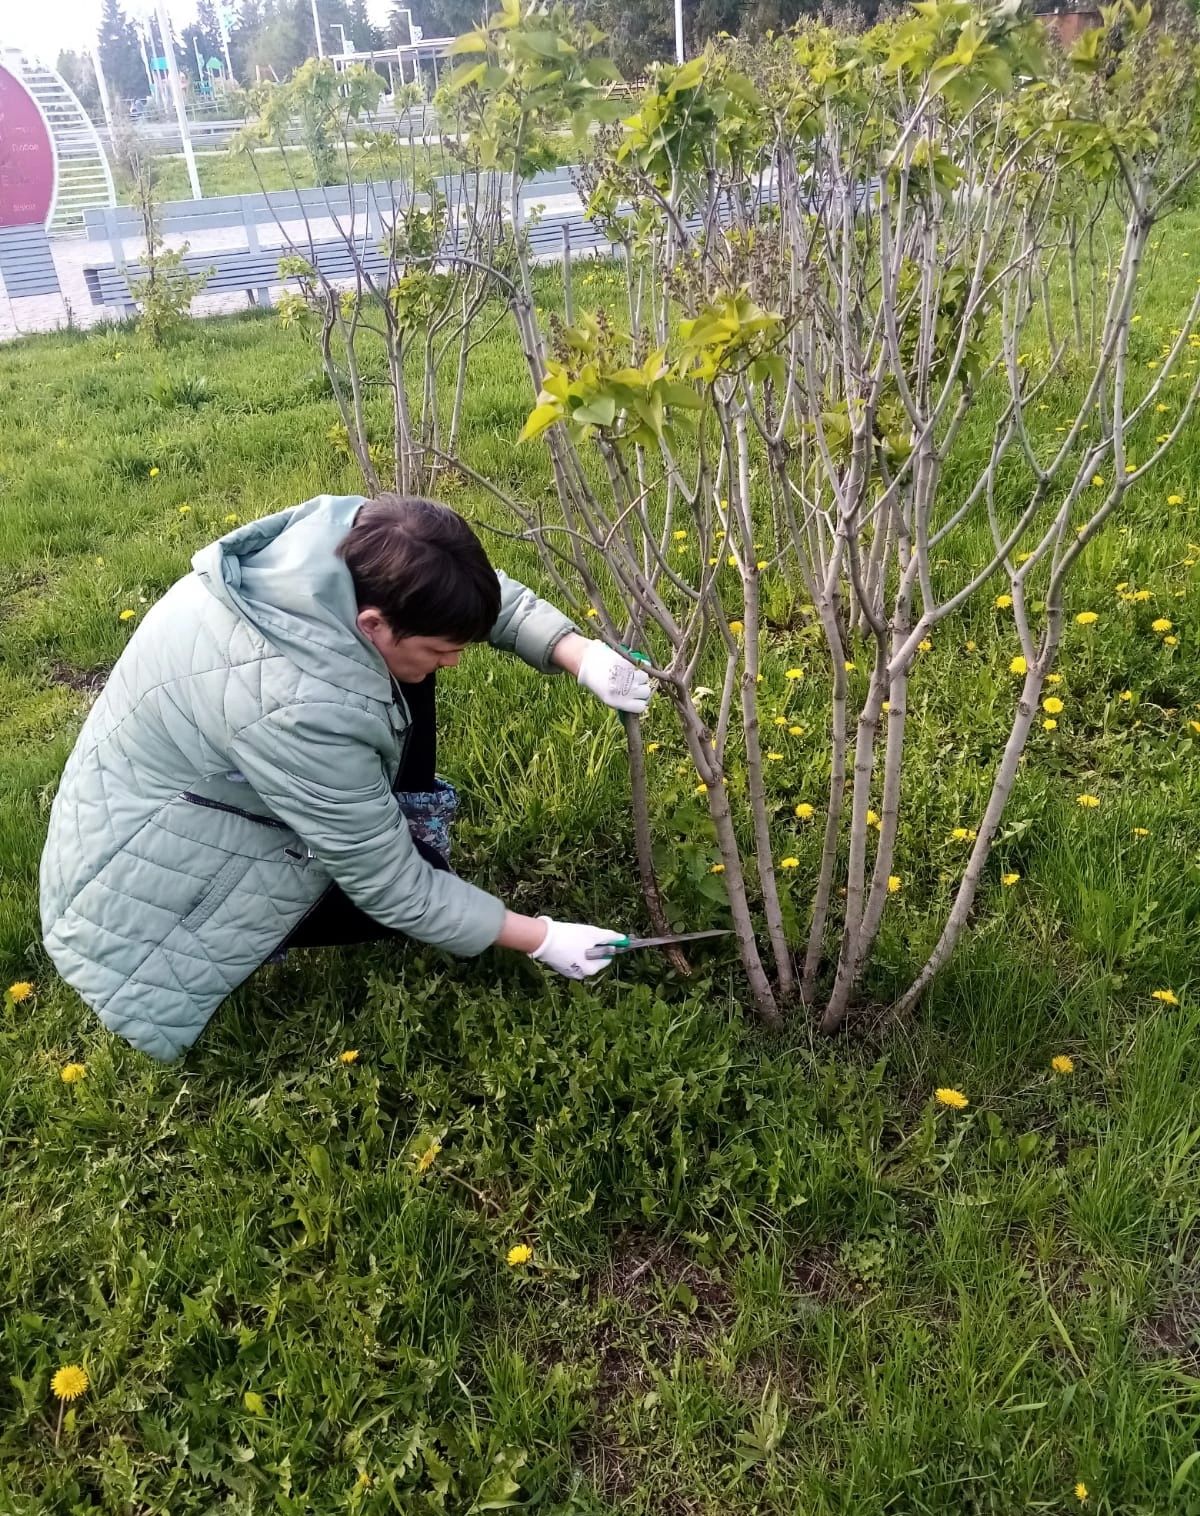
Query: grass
{"x": 769, "y": 1274}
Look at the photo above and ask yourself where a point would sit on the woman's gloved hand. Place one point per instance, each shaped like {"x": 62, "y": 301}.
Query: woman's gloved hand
{"x": 566, "y": 944}
{"x": 613, "y": 679}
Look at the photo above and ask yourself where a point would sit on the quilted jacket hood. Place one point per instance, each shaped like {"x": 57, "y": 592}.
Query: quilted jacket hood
{"x": 282, "y": 576}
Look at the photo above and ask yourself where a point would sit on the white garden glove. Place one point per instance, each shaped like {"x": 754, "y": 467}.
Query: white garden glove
{"x": 566, "y": 945}
{"x": 613, "y": 679}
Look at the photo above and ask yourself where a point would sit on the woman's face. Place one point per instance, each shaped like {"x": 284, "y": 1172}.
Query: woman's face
{"x": 409, "y": 659}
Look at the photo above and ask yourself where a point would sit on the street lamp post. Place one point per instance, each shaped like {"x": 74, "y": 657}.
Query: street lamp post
{"x": 317, "y": 29}
{"x": 168, "y": 47}
{"x": 678, "y": 31}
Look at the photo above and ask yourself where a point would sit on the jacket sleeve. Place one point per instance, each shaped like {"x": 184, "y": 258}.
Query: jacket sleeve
{"x": 318, "y": 766}
{"x": 529, "y": 627}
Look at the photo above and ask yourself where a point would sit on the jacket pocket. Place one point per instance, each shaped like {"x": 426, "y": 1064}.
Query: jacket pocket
{"x": 227, "y": 876}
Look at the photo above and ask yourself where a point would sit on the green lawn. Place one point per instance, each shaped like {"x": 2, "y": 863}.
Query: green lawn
{"x": 769, "y": 1275}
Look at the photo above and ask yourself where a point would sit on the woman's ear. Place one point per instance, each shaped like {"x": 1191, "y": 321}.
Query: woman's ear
{"x": 371, "y": 624}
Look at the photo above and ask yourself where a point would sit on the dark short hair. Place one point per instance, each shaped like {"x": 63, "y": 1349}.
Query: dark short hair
{"x": 422, "y": 567}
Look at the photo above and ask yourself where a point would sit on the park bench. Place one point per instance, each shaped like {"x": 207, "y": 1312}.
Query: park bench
{"x": 26, "y": 262}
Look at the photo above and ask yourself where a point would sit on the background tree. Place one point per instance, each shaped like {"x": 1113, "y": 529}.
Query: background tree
{"x": 120, "y": 55}
{"x": 77, "y": 70}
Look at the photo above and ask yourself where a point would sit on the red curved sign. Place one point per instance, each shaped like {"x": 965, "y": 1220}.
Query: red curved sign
{"x": 26, "y": 156}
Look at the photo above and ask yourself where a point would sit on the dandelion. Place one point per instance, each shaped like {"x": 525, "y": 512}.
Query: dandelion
{"x": 963, "y": 834}
{"x": 781, "y": 721}
{"x": 732, "y": 560}
{"x": 154, "y": 473}
{"x": 1054, "y": 678}
{"x": 895, "y": 884}
{"x": 1163, "y": 437}
{"x": 702, "y": 788}
{"x": 232, "y": 519}
{"x": 185, "y": 510}
{"x": 1008, "y": 880}
{"x": 254, "y": 1403}
{"x": 1141, "y": 831}
{"x": 70, "y": 1381}
{"x": 1174, "y": 499}
{"x": 1161, "y": 408}
{"x": 428, "y": 1158}
{"x": 1018, "y": 666}
{"x": 1170, "y": 641}
{"x": 1160, "y": 625}
{"x": 1052, "y": 705}
{"x": 364, "y": 1480}
{"x": 849, "y": 665}
{"x": 1126, "y": 696}
{"x": 793, "y": 674}
{"x": 1081, "y": 1491}
{"x": 127, "y": 614}
{"x": 1168, "y": 997}
{"x": 873, "y": 818}
{"x": 20, "y": 991}
{"x": 1141, "y": 596}
{"x": 1061, "y": 1064}
{"x": 805, "y": 812}
{"x": 1086, "y": 618}
{"x": 1098, "y": 481}
{"x": 72, "y": 1073}
{"x": 1195, "y": 726}
{"x": 972, "y": 647}
{"x": 592, "y": 613}
{"x": 761, "y": 564}
{"x": 795, "y": 731}
{"x": 349, "y": 1056}
{"x": 1087, "y": 802}
{"x": 774, "y": 757}
{"x": 712, "y": 562}
{"x": 680, "y": 536}
{"x": 518, "y": 1255}
{"x": 789, "y": 863}
{"x": 737, "y": 628}
{"x": 653, "y": 747}
{"x": 925, "y": 646}
{"x": 1004, "y": 602}
{"x": 955, "y": 1099}
{"x": 717, "y": 868}
{"x": 1049, "y": 725}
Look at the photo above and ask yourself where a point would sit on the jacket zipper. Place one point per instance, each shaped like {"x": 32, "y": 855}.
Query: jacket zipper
{"x": 233, "y": 810}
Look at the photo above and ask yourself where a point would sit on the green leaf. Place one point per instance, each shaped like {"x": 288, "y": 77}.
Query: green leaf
{"x": 689, "y": 76}
{"x": 469, "y": 74}
{"x": 469, "y": 42}
{"x": 541, "y": 417}
{"x": 600, "y": 410}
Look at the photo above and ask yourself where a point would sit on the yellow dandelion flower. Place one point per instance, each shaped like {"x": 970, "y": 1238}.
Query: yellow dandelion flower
{"x": 72, "y": 1073}
{"x": 1081, "y": 1491}
{"x": 761, "y": 564}
{"x": 805, "y": 812}
{"x": 680, "y": 536}
{"x": 1061, "y": 1064}
{"x": 781, "y": 721}
{"x": 924, "y": 646}
{"x": 70, "y": 1381}
{"x": 1141, "y": 596}
{"x": 849, "y": 665}
{"x": 732, "y": 560}
{"x": 364, "y": 1480}
{"x": 1086, "y": 618}
{"x": 154, "y": 473}
{"x": 1049, "y": 725}
{"x": 1168, "y": 997}
{"x": 872, "y": 818}
{"x": 1054, "y": 679}
{"x": 1098, "y": 481}
{"x": 1087, "y": 802}
{"x": 702, "y": 788}
{"x": 20, "y": 991}
{"x": 1018, "y": 666}
{"x": 127, "y": 614}
{"x": 1161, "y": 408}
{"x": 1052, "y": 705}
{"x": 955, "y": 1099}
{"x": 185, "y": 510}
{"x": 717, "y": 868}
{"x": 1131, "y": 468}
{"x": 789, "y": 863}
{"x": 592, "y": 612}
{"x": 1126, "y": 695}
{"x": 793, "y": 674}
{"x": 1024, "y": 557}
{"x": 1195, "y": 726}
{"x": 349, "y": 1056}
{"x": 1161, "y": 624}
{"x": 254, "y": 1403}
{"x": 518, "y": 1255}
{"x": 653, "y": 747}
{"x": 972, "y": 647}
{"x": 774, "y": 757}
{"x": 795, "y": 731}
{"x": 895, "y": 884}
{"x": 1141, "y": 831}
{"x": 232, "y": 519}
{"x": 1004, "y": 602}
{"x": 428, "y": 1158}
{"x": 1171, "y": 641}
{"x": 737, "y": 627}
{"x": 1174, "y": 499}
{"x": 961, "y": 834}
{"x": 1008, "y": 880}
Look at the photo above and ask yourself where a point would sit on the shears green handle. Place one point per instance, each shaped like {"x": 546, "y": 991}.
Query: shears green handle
{"x": 628, "y": 944}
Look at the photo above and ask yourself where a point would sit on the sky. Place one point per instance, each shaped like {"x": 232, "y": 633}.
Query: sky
{"x": 47, "y": 28}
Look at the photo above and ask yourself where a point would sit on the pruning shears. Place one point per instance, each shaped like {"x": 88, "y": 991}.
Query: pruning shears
{"x": 628, "y": 944}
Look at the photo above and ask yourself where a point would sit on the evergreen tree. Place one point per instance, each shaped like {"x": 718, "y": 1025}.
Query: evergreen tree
{"x": 120, "y": 56}
{"x": 76, "y": 69}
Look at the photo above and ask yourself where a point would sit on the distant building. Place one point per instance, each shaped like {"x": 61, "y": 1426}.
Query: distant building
{"x": 1066, "y": 23}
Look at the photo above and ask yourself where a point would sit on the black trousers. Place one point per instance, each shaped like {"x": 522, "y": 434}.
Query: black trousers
{"x": 335, "y": 921}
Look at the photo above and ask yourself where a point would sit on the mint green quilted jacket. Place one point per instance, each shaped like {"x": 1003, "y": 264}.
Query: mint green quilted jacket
{"x": 240, "y": 757}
